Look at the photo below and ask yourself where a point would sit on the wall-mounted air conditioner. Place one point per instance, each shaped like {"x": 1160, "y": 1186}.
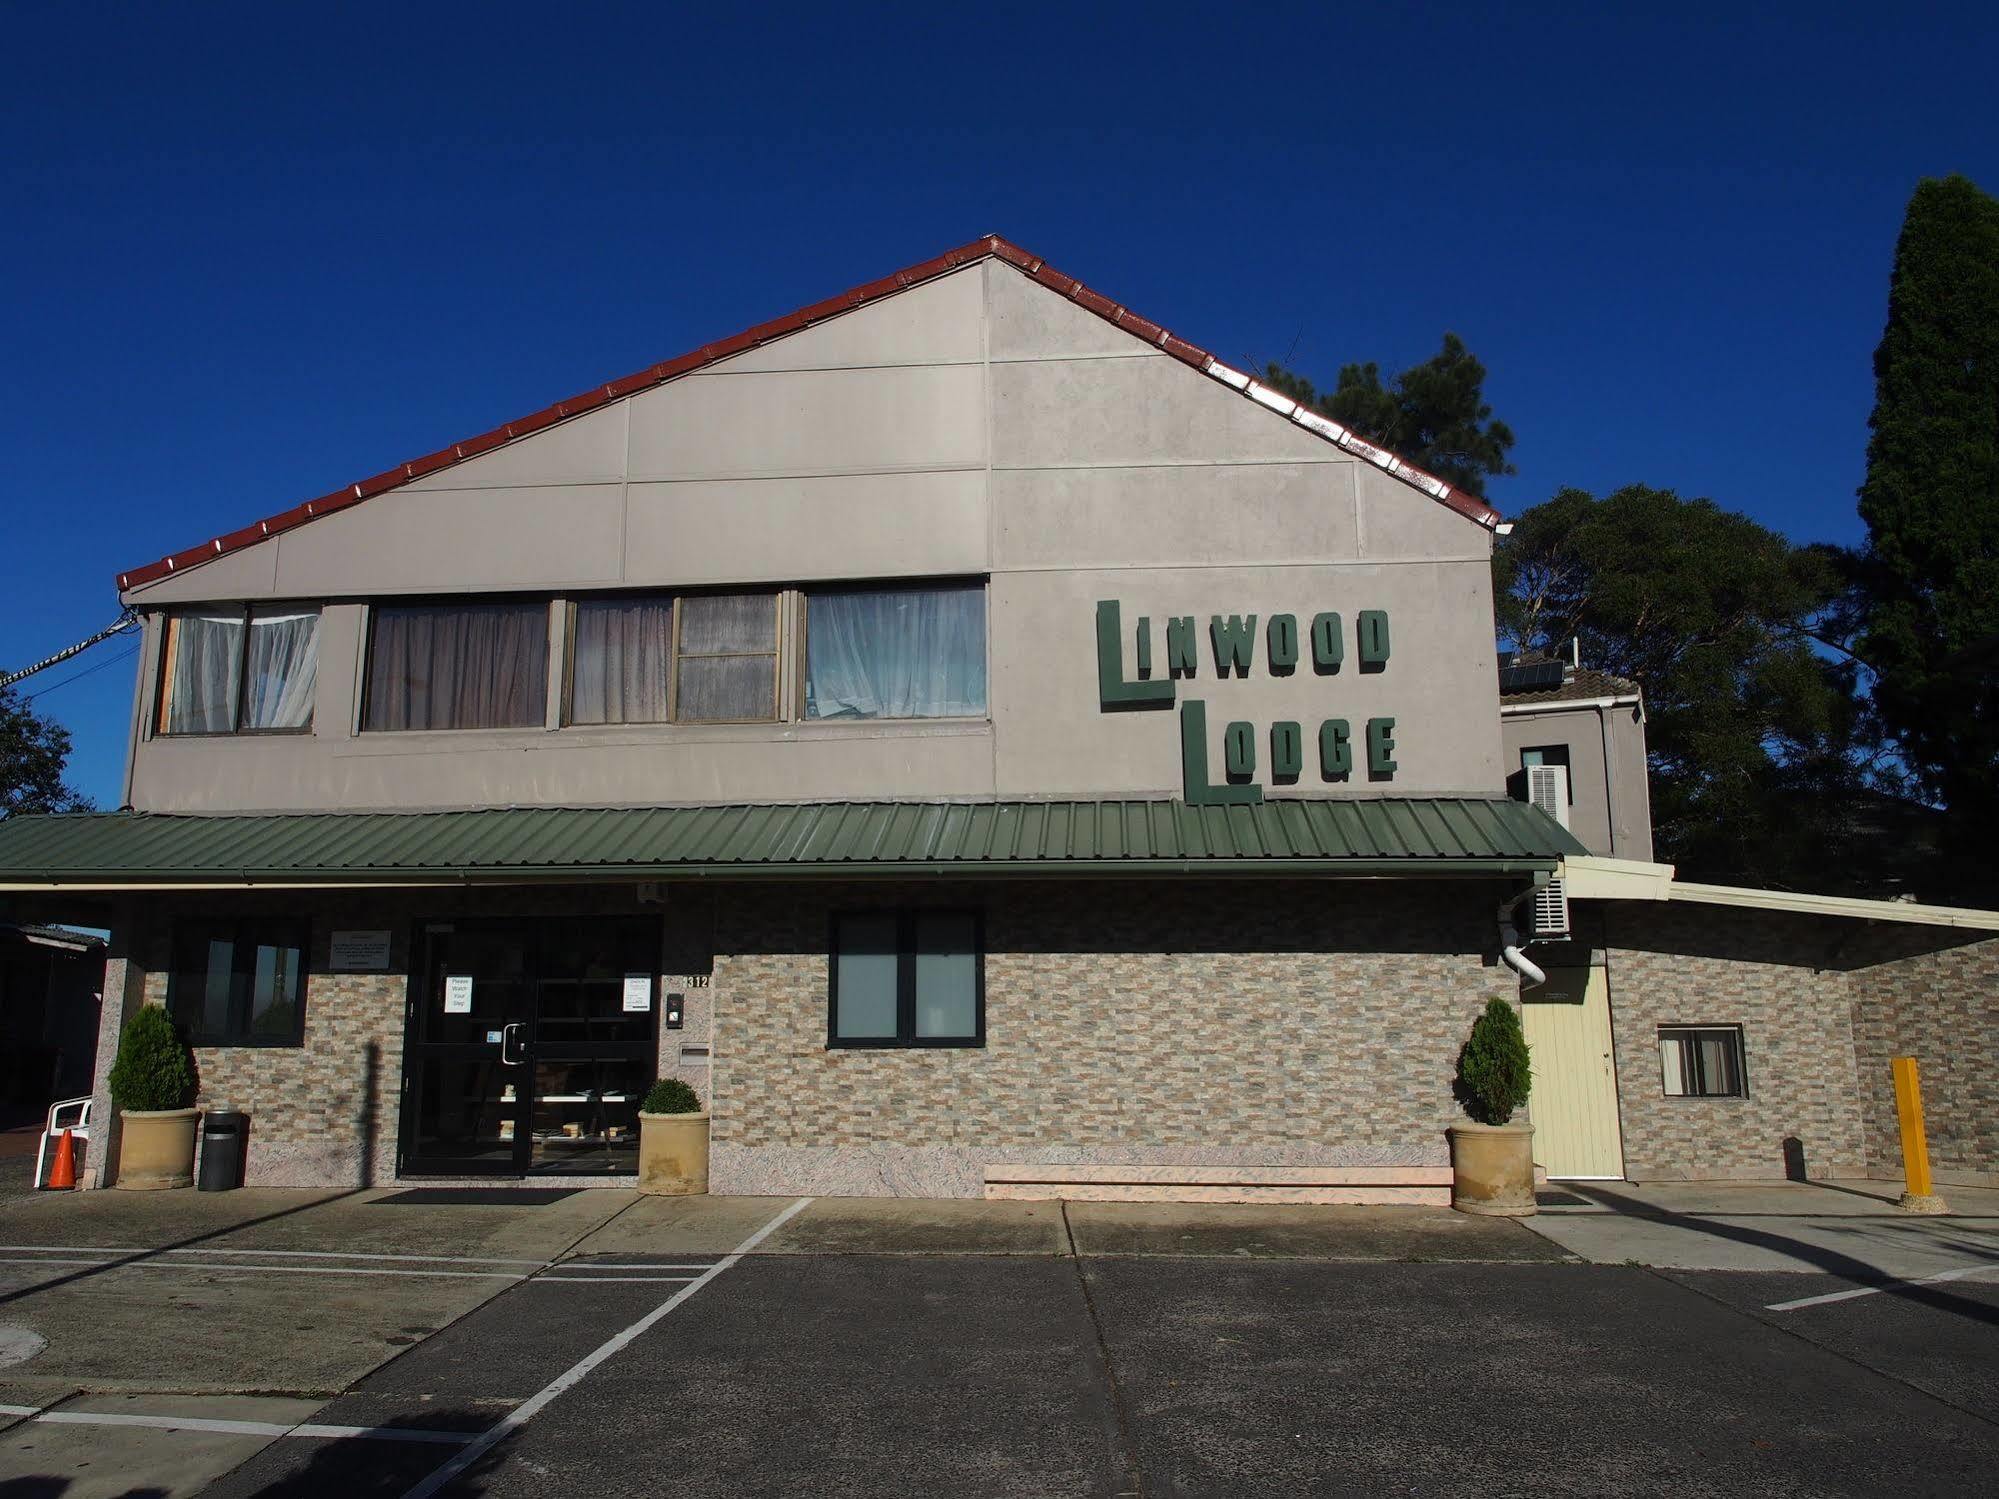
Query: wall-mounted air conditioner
{"x": 1548, "y": 789}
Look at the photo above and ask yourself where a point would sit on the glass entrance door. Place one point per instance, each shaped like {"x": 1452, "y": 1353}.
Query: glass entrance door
{"x": 529, "y": 1046}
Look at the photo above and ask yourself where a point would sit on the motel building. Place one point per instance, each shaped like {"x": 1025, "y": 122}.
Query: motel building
{"x": 987, "y": 745}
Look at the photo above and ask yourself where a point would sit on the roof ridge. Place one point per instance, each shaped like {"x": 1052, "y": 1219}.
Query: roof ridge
{"x": 985, "y": 247}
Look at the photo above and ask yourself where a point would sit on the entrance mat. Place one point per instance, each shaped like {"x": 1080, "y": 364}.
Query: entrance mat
{"x": 475, "y": 1197}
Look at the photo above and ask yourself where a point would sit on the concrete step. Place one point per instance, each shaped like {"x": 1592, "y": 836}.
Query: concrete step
{"x": 1418, "y": 1186}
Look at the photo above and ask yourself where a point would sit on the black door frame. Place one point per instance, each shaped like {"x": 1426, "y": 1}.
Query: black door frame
{"x": 416, "y": 1050}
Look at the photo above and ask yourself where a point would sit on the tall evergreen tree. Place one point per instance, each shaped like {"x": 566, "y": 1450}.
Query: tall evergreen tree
{"x": 1931, "y": 503}
{"x": 1433, "y": 413}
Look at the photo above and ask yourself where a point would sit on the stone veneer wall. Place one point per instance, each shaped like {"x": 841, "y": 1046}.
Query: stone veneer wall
{"x": 1248, "y": 1022}
{"x": 1779, "y": 977}
{"x": 326, "y": 1113}
{"x": 1932, "y": 994}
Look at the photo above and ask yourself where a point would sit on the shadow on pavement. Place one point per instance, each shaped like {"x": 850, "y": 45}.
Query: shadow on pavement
{"x": 360, "y": 1468}
{"x": 1829, "y": 1260}
{"x": 139, "y": 1256}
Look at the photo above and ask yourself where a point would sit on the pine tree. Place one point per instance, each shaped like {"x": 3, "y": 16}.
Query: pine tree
{"x": 1433, "y": 413}
{"x": 1931, "y": 504}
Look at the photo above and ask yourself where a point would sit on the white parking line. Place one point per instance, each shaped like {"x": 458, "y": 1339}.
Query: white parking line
{"x": 1924, "y": 1280}
{"x": 521, "y": 1414}
{"x": 582, "y": 1265}
{"x": 603, "y": 1280}
{"x": 18, "y": 1410}
{"x": 242, "y": 1428}
{"x": 277, "y": 1269}
{"x": 276, "y": 1254}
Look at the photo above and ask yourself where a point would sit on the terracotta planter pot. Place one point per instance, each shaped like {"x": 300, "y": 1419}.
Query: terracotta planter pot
{"x": 1492, "y": 1169}
{"x": 156, "y": 1149}
{"x": 673, "y": 1154}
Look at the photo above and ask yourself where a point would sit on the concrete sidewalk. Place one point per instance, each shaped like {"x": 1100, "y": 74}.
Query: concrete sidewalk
{"x": 1850, "y": 1229}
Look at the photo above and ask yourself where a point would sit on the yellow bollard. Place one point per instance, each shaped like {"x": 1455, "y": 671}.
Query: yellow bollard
{"x": 1916, "y": 1196}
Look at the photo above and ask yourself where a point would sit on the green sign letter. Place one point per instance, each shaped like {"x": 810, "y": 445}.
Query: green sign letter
{"x": 1329, "y": 643}
{"x": 1380, "y": 749}
{"x": 1235, "y": 643}
{"x": 1113, "y": 691}
{"x": 1371, "y": 630}
{"x": 1335, "y": 753}
{"x": 1280, "y": 646}
{"x": 1195, "y": 788}
{"x": 1181, "y": 654}
{"x": 1287, "y": 752}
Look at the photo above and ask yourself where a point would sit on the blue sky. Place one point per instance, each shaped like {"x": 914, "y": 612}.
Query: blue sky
{"x": 250, "y": 254}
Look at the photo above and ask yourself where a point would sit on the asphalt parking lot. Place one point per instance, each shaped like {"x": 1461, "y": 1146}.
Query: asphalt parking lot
{"x": 622, "y": 1346}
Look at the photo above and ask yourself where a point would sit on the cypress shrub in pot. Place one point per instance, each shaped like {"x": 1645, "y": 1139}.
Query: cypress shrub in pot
{"x": 1492, "y": 1158}
{"x": 153, "y": 1087}
{"x": 673, "y": 1140}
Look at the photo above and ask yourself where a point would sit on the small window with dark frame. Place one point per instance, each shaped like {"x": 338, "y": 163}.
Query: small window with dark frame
{"x": 238, "y": 669}
{"x": 1702, "y": 1061}
{"x": 239, "y": 983}
{"x": 907, "y": 978}
{"x": 725, "y": 658}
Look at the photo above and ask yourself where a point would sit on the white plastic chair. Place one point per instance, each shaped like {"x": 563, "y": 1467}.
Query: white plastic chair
{"x": 79, "y": 1127}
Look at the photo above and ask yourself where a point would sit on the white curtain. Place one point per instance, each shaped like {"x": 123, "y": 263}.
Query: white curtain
{"x": 283, "y": 670}
{"x": 206, "y": 650}
{"x": 619, "y": 660}
{"x": 896, "y": 653}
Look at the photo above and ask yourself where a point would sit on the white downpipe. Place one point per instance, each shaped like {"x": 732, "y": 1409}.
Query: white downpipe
{"x": 1509, "y": 941}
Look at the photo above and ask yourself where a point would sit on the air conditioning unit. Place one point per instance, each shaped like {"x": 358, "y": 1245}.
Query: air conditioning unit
{"x": 1548, "y": 789}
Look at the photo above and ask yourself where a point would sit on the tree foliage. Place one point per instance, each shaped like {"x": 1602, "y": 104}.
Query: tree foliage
{"x": 1494, "y": 1072}
{"x": 1760, "y": 743}
{"x": 1434, "y": 413}
{"x": 1930, "y": 626}
{"x": 33, "y": 753}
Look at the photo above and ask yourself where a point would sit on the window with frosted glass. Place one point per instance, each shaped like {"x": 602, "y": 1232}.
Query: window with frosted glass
{"x": 239, "y": 983}
{"x": 481, "y": 664}
{"x": 909, "y": 978}
{"x": 725, "y": 658}
{"x": 620, "y": 655}
{"x": 896, "y": 652}
{"x": 239, "y": 670}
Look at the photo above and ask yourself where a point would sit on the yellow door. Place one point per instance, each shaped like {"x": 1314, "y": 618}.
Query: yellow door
{"x": 1574, "y": 1102}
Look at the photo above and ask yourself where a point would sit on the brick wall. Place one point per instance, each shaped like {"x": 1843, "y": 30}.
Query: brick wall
{"x": 1932, "y": 994}
{"x": 1252, "y": 1022}
{"x": 1782, "y": 979}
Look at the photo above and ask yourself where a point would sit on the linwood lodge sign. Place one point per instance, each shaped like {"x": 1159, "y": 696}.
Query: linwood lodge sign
{"x": 1319, "y": 647}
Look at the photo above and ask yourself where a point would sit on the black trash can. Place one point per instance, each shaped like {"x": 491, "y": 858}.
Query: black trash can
{"x": 222, "y": 1140}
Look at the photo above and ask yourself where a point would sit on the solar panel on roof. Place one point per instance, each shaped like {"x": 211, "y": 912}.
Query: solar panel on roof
{"x": 1535, "y": 676}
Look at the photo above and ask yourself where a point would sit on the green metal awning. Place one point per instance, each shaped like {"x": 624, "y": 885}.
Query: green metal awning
{"x": 516, "y": 845}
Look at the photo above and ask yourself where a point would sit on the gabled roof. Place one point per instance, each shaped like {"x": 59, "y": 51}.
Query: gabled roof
{"x": 988, "y": 247}
{"x": 1368, "y": 836}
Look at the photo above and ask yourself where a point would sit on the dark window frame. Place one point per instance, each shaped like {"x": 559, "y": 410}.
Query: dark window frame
{"x": 163, "y": 684}
{"x": 243, "y": 933}
{"x": 1690, "y": 1058}
{"x": 905, "y": 1037}
{"x": 1566, "y": 753}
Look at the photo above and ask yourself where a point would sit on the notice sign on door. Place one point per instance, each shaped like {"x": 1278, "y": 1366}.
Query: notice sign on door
{"x": 359, "y": 952}
{"x": 638, "y": 994}
{"x": 458, "y": 994}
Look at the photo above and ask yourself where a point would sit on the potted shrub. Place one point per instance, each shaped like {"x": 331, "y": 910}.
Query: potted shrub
{"x": 673, "y": 1140}
{"x": 1492, "y": 1158}
{"x": 153, "y": 1087}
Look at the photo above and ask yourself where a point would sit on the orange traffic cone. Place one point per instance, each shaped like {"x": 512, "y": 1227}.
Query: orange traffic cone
{"x": 62, "y": 1175}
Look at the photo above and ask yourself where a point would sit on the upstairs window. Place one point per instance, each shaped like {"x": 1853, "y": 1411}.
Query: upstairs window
{"x": 239, "y": 983}
{"x": 1550, "y": 754}
{"x": 239, "y": 670}
{"x": 725, "y": 658}
{"x": 620, "y": 652}
{"x": 473, "y": 665}
{"x": 896, "y": 652}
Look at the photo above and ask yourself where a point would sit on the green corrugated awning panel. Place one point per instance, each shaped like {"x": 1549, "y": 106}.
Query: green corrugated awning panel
{"x": 1362, "y": 835}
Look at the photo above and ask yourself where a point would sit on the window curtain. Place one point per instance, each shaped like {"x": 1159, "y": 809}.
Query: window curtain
{"x": 202, "y": 696}
{"x": 896, "y": 653}
{"x": 283, "y": 670}
{"x": 457, "y": 666}
{"x": 618, "y": 661}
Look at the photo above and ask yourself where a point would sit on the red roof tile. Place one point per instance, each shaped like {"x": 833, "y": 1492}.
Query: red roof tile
{"x": 989, "y": 246}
